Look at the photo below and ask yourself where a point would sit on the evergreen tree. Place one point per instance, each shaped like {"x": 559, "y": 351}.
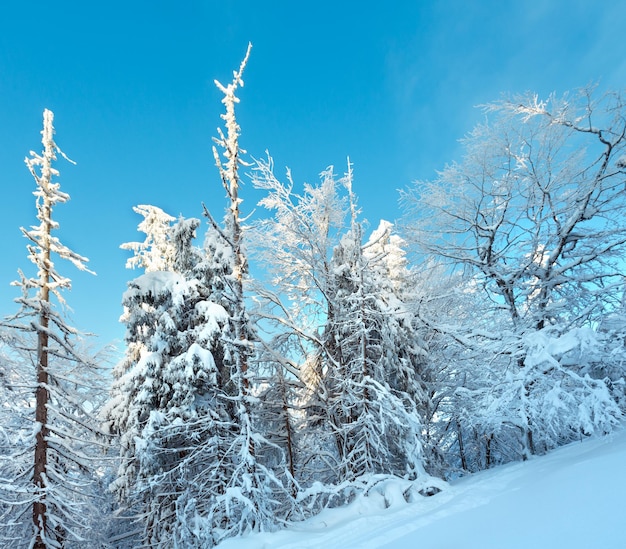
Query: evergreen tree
{"x": 183, "y": 396}
{"x": 343, "y": 332}
{"x": 372, "y": 378}
{"x": 165, "y": 388}
{"x": 157, "y": 251}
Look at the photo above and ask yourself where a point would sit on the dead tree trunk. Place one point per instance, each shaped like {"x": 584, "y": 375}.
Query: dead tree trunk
{"x": 42, "y": 394}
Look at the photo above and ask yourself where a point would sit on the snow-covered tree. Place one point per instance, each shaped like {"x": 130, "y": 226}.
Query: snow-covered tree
{"x": 245, "y": 493}
{"x": 404, "y": 337}
{"x": 157, "y": 252}
{"x": 184, "y": 400}
{"x": 161, "y": 397}
{"x": 296, "y": 247}
{"x": 341, "y": 330}
{"x": 533, "y": 215}
{"x": 535, "y": 208}
{"x": 58, "y": 390}
{"x": 377, "y": 427}
{"x": 166, "y": 385}
{"x": 610, "y": 363}
{"x": 16, "y": 433}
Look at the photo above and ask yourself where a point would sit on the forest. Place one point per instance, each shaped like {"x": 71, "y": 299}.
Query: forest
{"x": 278, "y": 365}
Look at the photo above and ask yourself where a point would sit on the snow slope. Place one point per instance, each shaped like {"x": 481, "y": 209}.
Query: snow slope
{"x": 572, "y": 498}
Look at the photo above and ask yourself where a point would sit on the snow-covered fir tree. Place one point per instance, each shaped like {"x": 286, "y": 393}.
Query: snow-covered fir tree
{"x": 183, "y": 396}
{"x": 165, "y": 388}
{"x": 371, "y": 373}
{"x": 157, "y": 251}
{"x": 404, "y": 342}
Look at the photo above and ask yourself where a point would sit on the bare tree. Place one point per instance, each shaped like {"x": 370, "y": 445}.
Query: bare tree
{"x": 534, "y": 217}
{"x": 535, "y": 208}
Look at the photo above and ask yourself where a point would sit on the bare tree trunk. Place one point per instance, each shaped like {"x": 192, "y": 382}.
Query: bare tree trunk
{"x": 488, "y": 452}
{"x": 42, "y": 394}
{"x": 41, "y": 417}
{"x": 459, "y": 437}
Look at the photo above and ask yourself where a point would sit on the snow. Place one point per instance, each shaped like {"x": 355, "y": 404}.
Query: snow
{"x": 155, "y": 283}
{"x": 572, "y": 497}
{"x": 546, "y": 346}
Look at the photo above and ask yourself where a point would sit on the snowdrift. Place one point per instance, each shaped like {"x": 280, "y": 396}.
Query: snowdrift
{"x": 572, "y": 497}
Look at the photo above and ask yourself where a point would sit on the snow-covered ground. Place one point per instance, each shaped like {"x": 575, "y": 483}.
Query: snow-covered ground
{"x": 572, "y": 498}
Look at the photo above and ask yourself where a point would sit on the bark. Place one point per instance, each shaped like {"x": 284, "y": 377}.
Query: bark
{"x": 41, "y": 443}
{"x": 459, "y": 436}
{"x": 42, "y": 394}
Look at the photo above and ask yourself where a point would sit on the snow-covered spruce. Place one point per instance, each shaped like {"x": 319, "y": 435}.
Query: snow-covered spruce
{"x": 165, "y": 389}
{"x": 343, "y": 332}
{"x": 192, "y": 456}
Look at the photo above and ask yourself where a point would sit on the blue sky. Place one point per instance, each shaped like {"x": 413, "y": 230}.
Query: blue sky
{"x": 392, "y": 85}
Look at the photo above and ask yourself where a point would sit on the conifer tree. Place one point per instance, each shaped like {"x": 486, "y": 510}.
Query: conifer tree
{"x": 183, "y": 396}
{"x": 372, "y": 376}
{"x": 165, "y": 388}
{"x": 63, "y": 442}
{"x": 248, "y": 494}
{"x": 345, "y": 334}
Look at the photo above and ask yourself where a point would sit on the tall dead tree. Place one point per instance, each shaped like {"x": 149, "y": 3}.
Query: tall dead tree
{"x": 38, "y": 316}
{"x": 229, "y": 173}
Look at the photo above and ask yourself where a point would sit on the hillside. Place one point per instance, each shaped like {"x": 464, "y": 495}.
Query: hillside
{"x": 571, "y": 498}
